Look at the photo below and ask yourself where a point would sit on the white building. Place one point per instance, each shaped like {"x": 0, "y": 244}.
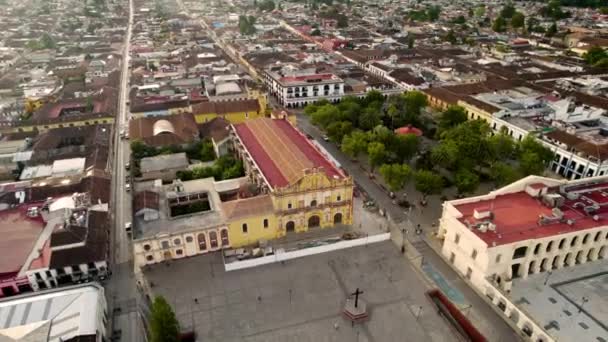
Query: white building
{"x": 74, "y": 313}
{"x": 298, "y": 88}
{"x": 534, "y": 225}
{"x": 575, "y": 132}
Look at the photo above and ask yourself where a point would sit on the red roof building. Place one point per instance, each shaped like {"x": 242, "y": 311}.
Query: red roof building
{"x": 281, "y": 152}
{"x": 534, "y": 225}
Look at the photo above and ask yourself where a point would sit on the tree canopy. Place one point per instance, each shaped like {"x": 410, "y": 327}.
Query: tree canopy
{"x": 395, "y": 175}
{"x": 453, "y": 116}
{"x": 266, "y": 5}
{"x": 247, "y": 25}
{"x": 595, "y": 55}
{"x": 428, "y": 182}
{"x": 499, "y": 24}
{"x": 508, "y": 10}
{"x": 164, "y": 326}
{"x": 518, "y": 20}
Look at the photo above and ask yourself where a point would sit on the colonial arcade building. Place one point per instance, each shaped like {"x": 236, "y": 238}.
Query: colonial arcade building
{"x": 535, "y": 225}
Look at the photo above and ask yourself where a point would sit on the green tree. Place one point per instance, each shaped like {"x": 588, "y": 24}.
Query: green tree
{"x": 433, "y": 13}
{"x": 373, "y": 96}
{"x": 594, "y": 55}
{"x": 554, "y": 10}
{"x": 499, "y": 25}
{"x": 207, "y": 153}
{"x": 370, "y": 118}
{"x": 466, "y": 181}
{"x": 470, "y": 137}
{"x": 530, "y": 144}
{"x": 376, "y": 153}
{"x": 445, "y": 154}
{"x": 267, "y": 5}
{"x": 502, "y": 173}
{"x": 533, "y": 156}
{"x": 395, "y": 175}
{"x": 518, "y": 20}
{"x": 47, "y": 42}
{"x": 428, "y": 182}
{"x": 531, "y": 164}
{"x": 247, "y": 25}
{"x": 325, "y": 115}
{"x": 354, "y": 143}
{"x": 508, "y": 10}
{"x": 552, "y": 30}
{"x": 480, "y": 11}
{"x": 533, "y": 25}
{"x": 234, "y": 171}
{"x": 140, "y": 150}
{"x": 459, "y": 20}
{"x": 163, "y": 323}
{"x": 453, "y": 116}
{"x": 338, "y": 129}
{"x": 501, "y": 147}
{"x": 350, "y": 109}
{"x": 415, "y": 101}
{"x": 450, "y": 37}
{"x": 602, "y": 63}
{"x": 404, "y": 146}
{"x": 410, "y": 41}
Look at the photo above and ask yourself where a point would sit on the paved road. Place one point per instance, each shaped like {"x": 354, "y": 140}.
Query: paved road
{"x": 123, "y": 298}
{"x": 482, "y": 315}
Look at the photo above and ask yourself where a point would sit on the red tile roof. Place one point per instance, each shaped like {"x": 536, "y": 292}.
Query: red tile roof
{"x": 19, "y": 235}
{"x": 516, "y": 215}
{"x": 281, "y": 152}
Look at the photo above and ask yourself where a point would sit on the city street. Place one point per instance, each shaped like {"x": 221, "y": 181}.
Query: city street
{"x": 121, "y": 290}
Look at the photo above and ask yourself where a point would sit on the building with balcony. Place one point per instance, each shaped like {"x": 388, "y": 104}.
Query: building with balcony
{"x": 294, "y": 89}
{"x": 528, "y": 230}
{"x": 306, "y": 188}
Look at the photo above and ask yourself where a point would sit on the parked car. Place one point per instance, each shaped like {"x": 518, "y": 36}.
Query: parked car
{"x": 309, "y": 136}
{"x": 127, "y": 165}
{"x": 325, "y": 137}
{"x": 128, "y": 187}
{"x": 128, "y": 227}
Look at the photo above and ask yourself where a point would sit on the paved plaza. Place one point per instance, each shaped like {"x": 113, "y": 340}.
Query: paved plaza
{"x": 571, "y": 302}
{"x": 302, "y": 299}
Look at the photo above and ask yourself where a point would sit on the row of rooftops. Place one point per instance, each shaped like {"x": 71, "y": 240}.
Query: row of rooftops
{"x": 66, "y": 228}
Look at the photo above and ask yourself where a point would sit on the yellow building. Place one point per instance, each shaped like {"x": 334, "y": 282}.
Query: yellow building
{"x": 304, "y": 189}
{"x": 477, "y": 109}
{"x": 235, "y": 111}
{"x": 440, "y": 98}
{"x": 251, "y": 220}
{"x": 60, "y": 122}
